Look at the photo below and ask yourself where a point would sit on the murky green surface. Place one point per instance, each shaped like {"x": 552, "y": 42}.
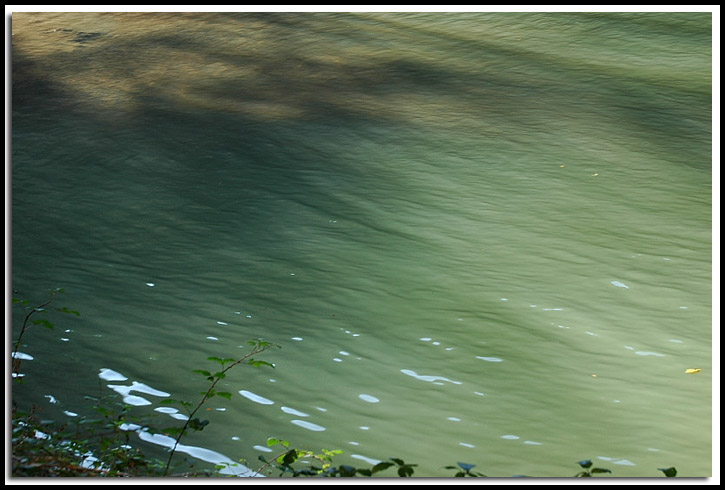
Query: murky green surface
{"x": 477, "y": 237}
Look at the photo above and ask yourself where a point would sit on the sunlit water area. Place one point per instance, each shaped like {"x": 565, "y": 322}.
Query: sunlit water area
{"x": 477, "y": 237}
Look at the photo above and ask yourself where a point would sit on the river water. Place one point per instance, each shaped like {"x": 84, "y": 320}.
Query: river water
{"x": 477, "y": 237}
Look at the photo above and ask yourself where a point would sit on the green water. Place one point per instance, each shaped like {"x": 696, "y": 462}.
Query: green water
{"x": 477, "y": 237}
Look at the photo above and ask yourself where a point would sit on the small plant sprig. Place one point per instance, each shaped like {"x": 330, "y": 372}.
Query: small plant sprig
{"x": 464, "y": 469}
{"x": 588, "y": 470}
{"x": 194, "y": 423}
{"x": 42, "y": 321}
{"x": 284, "y": 463}
{"x": 42, "y": 448}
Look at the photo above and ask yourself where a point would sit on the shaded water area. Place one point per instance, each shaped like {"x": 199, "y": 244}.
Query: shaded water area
{"x": 479, "y": 237}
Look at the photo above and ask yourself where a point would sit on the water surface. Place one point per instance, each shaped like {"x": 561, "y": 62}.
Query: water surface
{"x": 481, "y": 237}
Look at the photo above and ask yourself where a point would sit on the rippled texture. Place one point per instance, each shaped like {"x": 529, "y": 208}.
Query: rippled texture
{"x": 477, "y": 237}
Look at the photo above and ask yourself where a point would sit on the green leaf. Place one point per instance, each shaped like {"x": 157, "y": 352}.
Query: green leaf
{"x": 330, "y": 453}
{"x": 383, "y": 465}
{"x": 289, "y": 457}
{"x": 44, "y": 323}
{"x": 601, "y": 470}
{"x": 273, "y": 441}
{"x": 262, "y": 344}
{"x": 669, "y": 472}
{"x": 202, "y": 372}
{"x": 258, "y": 363}
{"x": 215, "y": 359}
{"x": 70, "y": 312}
{"x": 224, "y": 394}
{"x": 219, "y": 375}
{"x": 197, "y": 424}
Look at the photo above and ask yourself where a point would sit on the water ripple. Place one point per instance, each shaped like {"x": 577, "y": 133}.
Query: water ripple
{"x": 292, "y": 411}
{"x": 255, "y": 398}
{"x": 429, "y": 378}
{"x": 139, "y": 387}
{"x": 230, "y": 467}
{"x": 308, "y": 425}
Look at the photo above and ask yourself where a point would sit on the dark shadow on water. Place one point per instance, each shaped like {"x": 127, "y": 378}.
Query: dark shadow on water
{"x": 262, "y": 73}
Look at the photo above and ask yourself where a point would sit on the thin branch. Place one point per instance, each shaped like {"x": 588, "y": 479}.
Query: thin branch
{"x": 256, "y": 350}
{"x": 16, "y": 360}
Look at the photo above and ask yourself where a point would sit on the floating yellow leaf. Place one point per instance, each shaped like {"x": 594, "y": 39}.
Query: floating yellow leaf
{"x": 692, "y": 371}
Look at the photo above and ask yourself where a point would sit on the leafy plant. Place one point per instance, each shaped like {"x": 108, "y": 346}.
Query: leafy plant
{"x": 323, "y": 464}
{"x": 285, "y": 460}
{"x": 41, "y": 448}
{"x": 194, "y": 423}
{"x": 464, "y": 469}
{"x": 41, "y": 321}
{"x": 588, "y": 470}
{"x": 404, "y": 469}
